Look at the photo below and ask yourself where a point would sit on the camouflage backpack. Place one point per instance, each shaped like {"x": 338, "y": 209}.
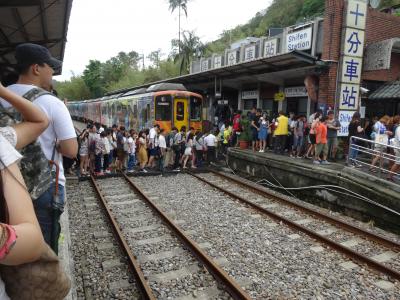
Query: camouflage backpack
{"x": 34, "y": 165}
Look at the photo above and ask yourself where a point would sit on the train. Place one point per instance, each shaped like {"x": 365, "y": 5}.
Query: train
{"x": 169, "y": 105}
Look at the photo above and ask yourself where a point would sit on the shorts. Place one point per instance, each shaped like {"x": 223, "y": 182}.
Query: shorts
{"x": 188, "y": 151}
{"x": 321, "y": 148}
{"x": 121, "y": 154}
{"x": 332, "y": 141}
{"x": 153, "y": 151}
{"x": 313, "y": 138}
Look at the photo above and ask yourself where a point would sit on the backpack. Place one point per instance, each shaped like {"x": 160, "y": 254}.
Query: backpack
{"x": 35, "y": 167}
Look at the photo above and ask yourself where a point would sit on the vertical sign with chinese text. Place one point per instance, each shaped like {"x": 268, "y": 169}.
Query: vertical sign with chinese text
{"x": 352, "y": 56}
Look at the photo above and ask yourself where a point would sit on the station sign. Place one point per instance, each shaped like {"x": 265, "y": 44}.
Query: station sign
{"x": 296, "y": 91}
{"x": 279, "y": 96}
{"x": 270, "y": 47}
{"x": 250, "y": 53}
{"x": 299, "y": 40}
{"x": 231, "y": 57}
{"x": 345, "y": 117}
{"x": 217, "y": 61}
{"x": 249, "y": 94}
{"x": 351, "y": 62}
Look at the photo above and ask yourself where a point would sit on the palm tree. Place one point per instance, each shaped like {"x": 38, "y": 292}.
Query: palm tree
{"x": 189, "y": 47}
{"x": 180, "y": 4}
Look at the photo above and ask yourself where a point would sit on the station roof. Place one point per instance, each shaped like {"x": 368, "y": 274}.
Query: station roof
{"x": 389, "y": 90}
{"x": 43, "y": 22}
{"x": 247, "y": 70}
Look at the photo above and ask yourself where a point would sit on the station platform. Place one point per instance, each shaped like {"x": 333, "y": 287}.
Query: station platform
{"x": 352, "y": 191}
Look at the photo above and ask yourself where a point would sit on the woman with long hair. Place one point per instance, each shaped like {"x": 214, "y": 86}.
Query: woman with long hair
{"x": 382, "y": 134}
{"x": 21, "y": 239}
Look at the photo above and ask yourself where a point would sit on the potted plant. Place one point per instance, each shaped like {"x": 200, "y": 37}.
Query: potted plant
{"x": 245, "y": 135}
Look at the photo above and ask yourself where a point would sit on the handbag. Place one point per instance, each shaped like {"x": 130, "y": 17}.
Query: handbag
{"x": 42, "y": 279}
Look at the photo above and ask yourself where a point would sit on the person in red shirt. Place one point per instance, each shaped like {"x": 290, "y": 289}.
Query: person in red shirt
{"x": 321, "y": 135}
{"x": 236, "y": 127}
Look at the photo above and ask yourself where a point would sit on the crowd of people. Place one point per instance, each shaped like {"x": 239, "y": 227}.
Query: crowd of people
{"x": 105, "y": 150}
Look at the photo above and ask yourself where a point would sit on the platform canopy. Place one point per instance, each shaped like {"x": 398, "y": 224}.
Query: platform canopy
{"x": 389, "y": 90}
{"x": 43, "y": 22}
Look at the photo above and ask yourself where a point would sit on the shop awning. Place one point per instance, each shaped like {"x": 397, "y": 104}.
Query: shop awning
{"x": 283, "y": 62}
{"x": 387, "y": 91}
{"x": 43, "y": 22}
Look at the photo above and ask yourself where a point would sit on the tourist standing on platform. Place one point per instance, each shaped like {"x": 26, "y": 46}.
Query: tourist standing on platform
{"x": 162, "y": 144}
{"x": 169, "y": 157}
{"x": 120, "y": 148}
{"x": 333, "y": 126}
{"x": 356, "y": 130}
{"x": 131, "y": 142}
{"x": 152, "y": 145}
{"x": 92, "y": 147}
{"x": 263, "y": 133}
{"x": 200, "y": 148}
{"x": 255, "y": 127}
{"x": 188, "y": 151}
{"x": 179, "y": 146}
{"x": 84, "y": 151}
{"x": 226, "y": 137}
{"x": 321, "y": 134}
{"x": 396, "y": 143}
{"x": 210, "y": 142}
{"x": 312, "y": 135}
{"x": 142, "y": 154}
{"x": 281, "y": 133}
{"x": 99, "y": 152}
{"x": 382, "y": 134}
{"x": 36, "y": 67}
{"x": 107, "y": 149}
{"x": 298, "y": 136}
{"x": 114, "y": 131}
{"x": 236, "y": 128}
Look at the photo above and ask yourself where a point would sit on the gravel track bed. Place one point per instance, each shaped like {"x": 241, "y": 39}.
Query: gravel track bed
{"x": 365, "y": 246}
{"x": 260, "y": 253}
{"x": 364, "y": 225}
{"x": 131, "y": 207}
{"x": 92, "y": 281}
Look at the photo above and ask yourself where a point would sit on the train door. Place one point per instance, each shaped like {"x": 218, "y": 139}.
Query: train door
{"x": 181, "y": 116}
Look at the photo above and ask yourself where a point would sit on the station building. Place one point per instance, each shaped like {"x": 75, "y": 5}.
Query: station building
{"x": 348, "y": 60}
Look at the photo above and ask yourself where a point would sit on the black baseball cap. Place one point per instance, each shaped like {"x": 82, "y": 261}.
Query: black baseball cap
{"x": 28, "y": 54}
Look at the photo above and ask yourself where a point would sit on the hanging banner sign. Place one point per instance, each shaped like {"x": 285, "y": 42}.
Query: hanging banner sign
{"x": 270, "y": 47}
{"x": 296, "y": 91}
{"x": 249, "y": 94}
{"x": 279, "y": 96}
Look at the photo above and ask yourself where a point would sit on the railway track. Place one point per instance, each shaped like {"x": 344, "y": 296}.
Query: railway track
{"x": 361, "y": 246}
{"x": 165, "y": 262}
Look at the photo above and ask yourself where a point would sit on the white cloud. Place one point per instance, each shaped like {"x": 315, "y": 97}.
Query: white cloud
{"x": 99, "y": 29}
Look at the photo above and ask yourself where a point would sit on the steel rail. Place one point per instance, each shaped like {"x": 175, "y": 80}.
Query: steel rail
{"x": 142, "y": 284}
{"x": 330, "y": 219}
{"x": 220, "y": 275}
{"x": 345, "y": 250}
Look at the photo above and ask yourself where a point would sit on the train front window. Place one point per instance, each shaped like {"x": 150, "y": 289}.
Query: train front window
{"x": 180, "y": 111}
{"x": 163, "y": 108}
{"x": 195, "y": 109}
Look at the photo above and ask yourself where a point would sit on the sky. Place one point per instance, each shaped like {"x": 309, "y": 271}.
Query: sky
{"x": 99, "y": 29}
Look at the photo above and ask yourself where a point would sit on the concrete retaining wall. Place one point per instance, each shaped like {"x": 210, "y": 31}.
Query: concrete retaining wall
{"x": 299, "y": 173}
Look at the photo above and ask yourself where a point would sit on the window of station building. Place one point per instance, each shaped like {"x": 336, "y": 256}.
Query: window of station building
{"x": 249, "y": 104}
{"x": 163, "y": 108}
{"x": 267, "y": 104}
{"x": 180, "y": 111}
{"x": 195, "y": 109}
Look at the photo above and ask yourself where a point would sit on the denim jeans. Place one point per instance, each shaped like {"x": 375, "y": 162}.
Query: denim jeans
{"x": 161, "y": 163}
{"x": 48, "y": 215}
{"x": 131, "y": 161}
{"x": 353, "y": 152}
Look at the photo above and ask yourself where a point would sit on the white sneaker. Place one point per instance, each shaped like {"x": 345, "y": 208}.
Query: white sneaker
{"x": 260, "y": 150}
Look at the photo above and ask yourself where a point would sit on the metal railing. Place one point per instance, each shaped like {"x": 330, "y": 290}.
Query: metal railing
{"x": 362, "y": 152}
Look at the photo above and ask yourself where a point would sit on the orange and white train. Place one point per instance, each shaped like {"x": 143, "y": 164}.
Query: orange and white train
{"x": 168, "y": 105}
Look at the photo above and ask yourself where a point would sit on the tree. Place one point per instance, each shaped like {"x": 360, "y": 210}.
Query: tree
{"x": 312, "y": 8}
{"x": 189, "y": 47}
{"x": 180, "y": 4}
{"x": 74, "y": 89}
{"x": 92, "y": 76}
{"x": 155, "y": 58}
